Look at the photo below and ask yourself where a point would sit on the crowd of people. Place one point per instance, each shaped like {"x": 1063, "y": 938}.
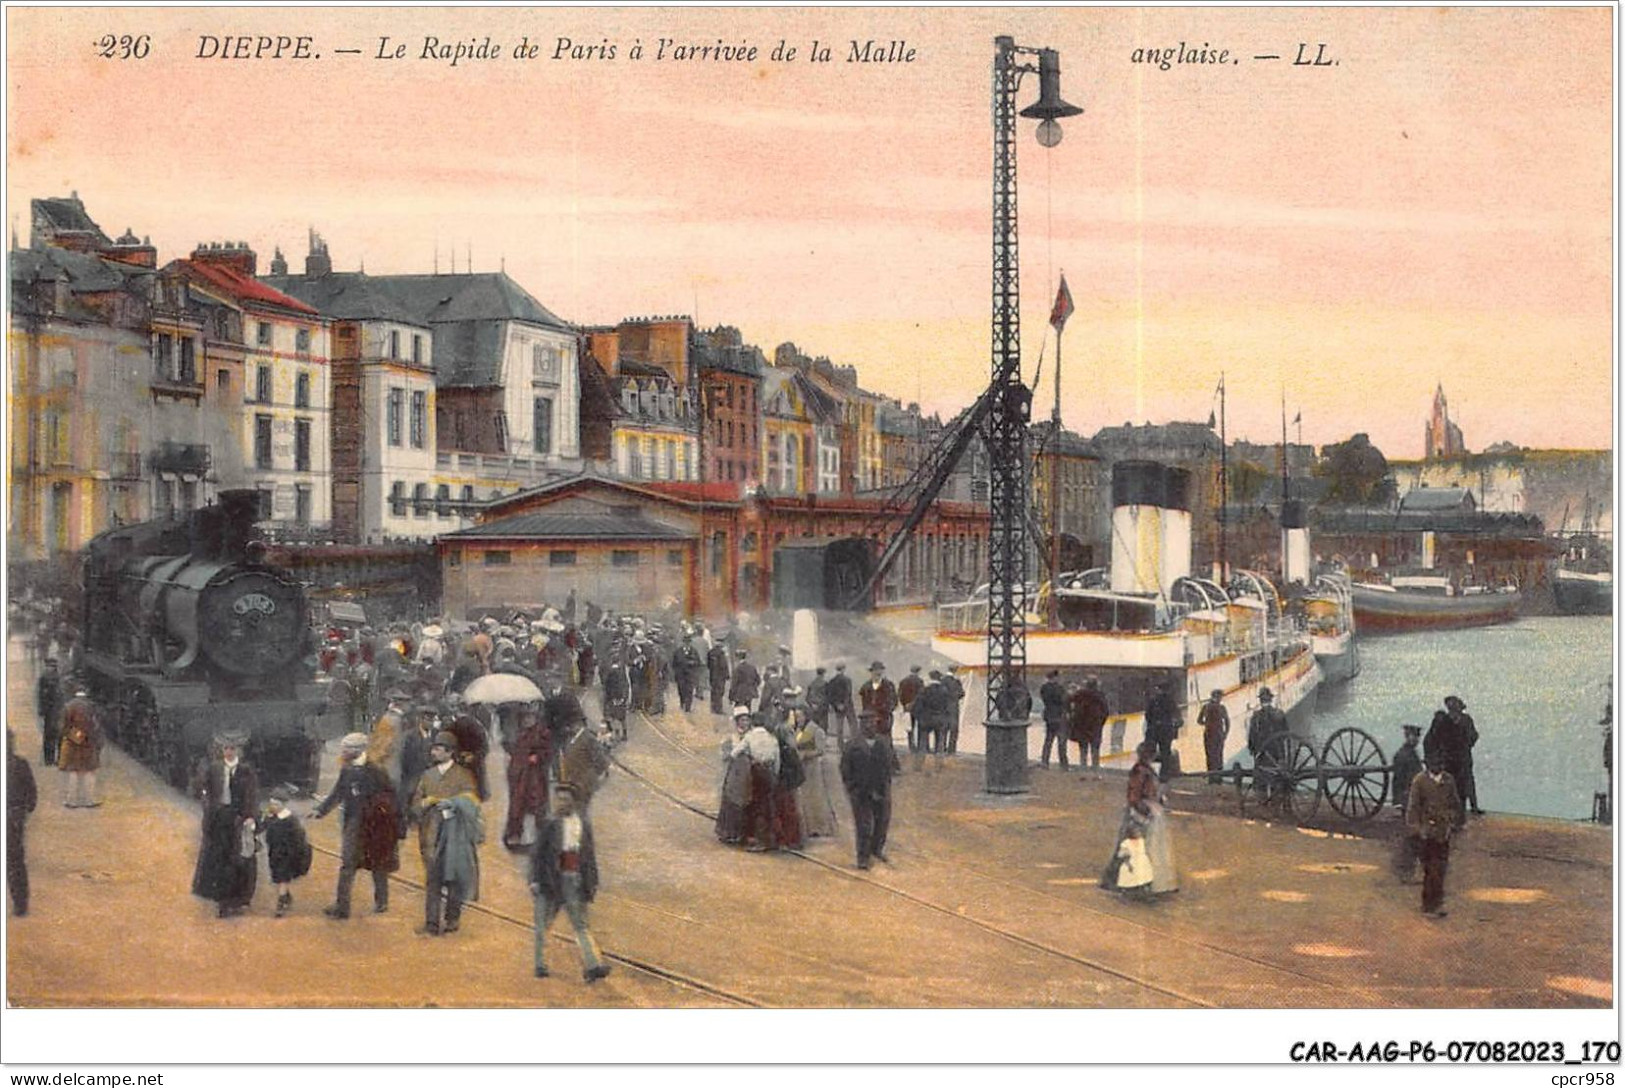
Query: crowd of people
{"x": 426, "y": 704}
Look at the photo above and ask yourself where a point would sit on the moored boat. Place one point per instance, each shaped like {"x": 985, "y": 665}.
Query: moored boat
{"x": 1328, "y": 609}
{"x": 1147, "y": 621}
{"x": 1584, "y": 583}
{"x": 1428, "y": 601}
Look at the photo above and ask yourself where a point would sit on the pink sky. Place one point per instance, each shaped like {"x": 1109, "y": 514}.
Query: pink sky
{"x": 1436, "y": 208}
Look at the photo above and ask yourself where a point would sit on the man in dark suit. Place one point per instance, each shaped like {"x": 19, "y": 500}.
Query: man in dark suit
{"x": 1452, "y": 735}
{"x": 878, "y": 696}
{"x": 907, "y": 692}
{"x": 564, "y": 873}
{"x": 838, "y": 693}
{"x": 866, "y": 772}
{"x": 48, "y": 702}
{"x": 371, "y": 825}
{"x": 746, "y": 682}
{"x": 1053, "y": 694}
{"x": 716, "y": 664}
{"x": 1432, "y": 814}
{"x": 686, "y": 666}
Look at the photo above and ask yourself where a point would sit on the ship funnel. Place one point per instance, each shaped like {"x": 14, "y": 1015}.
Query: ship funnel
{"x": 1151, "y": 527}
{"x": 1295, "y": 555}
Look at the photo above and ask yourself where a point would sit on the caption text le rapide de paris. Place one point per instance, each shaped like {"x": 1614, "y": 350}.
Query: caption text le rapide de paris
{"x": 470, "y": 51}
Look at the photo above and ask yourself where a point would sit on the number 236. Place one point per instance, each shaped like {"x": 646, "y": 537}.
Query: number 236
{"x": 123, "y": 47}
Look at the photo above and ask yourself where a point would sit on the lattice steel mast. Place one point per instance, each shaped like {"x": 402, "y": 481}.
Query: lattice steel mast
{"x": 1006, "y": 423}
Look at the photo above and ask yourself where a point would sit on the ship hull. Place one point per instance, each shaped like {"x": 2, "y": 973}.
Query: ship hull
{"x": 1129, "y": 668}
{"x": 1337, "y": 656}
{"x": 1384, "y": 611}
{"x": 1578, "y": 594}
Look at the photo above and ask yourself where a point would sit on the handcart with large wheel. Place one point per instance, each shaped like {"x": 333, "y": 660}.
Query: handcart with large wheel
{"x": 1289, "y": 777}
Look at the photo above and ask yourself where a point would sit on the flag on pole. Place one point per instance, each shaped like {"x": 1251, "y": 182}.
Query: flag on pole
{"x": 1063, "y": 307}
{"x": 1298, "y": 418}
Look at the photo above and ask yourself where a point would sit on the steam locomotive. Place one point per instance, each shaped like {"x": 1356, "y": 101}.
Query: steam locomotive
{"x": 187, "y": 631}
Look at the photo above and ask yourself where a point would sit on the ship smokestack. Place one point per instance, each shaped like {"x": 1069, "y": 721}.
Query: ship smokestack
{"x": 1294, "y": 542}
{"x": 1151, "y": 527}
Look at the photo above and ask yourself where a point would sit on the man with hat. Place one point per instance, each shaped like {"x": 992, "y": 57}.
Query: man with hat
{"x": 878, "y": 696}
{"x": 1407, "y": 765}
{"x": 838, "y": 692}
{"x": 687, "y": 665}
{"x": 473, "y": 745}
{"x": 818, "y": 698}
{"x": 956, "y": 695}
{"x": 227, "y": 868}
{"x": 370, "y": 824}
{"x": 1053, "y": 694}
{"x": 48, "y": 703}
{"x": 1087, "y": 713}
{"x": 746, "y": 682}
{"x": 617, "y": 690}
{"x": 907, "y": 692}
{"x": 866, "y": 772}
{"x": 442, "y": 783}
{"x": 775, "y": 678}
{"x": 79, "y": 751}
{"x": 716, "y": 665}
{"x": 1162, "y": 725}
{"x": 1215, "y": 722}
{"x": 564, "y": 874}
{"x": 1267, "y": 723}
{"x": 1432, "y": 814}
{"x": 1452, "y": 735}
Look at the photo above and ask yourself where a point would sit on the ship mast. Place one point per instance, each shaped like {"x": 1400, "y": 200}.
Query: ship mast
{"x": 1224, "y": 492}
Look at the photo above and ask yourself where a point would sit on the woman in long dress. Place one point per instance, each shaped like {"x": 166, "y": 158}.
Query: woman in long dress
{"x": 735, "y": 783}
{"x": 1145, "y": 817}
{"x": 814, "y": 797}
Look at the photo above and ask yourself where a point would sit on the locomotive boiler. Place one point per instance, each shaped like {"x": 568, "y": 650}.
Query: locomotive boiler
{"x": 187, "y": 631}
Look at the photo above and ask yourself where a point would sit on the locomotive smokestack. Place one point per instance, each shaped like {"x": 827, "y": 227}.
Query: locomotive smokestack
{"x": 224, "y": 530}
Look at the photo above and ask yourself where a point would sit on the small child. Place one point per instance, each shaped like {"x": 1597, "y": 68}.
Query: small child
{"x": 287, "y": 849}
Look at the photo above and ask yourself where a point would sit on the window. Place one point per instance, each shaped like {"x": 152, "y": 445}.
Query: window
{"x": 634, "y": 458}
{"x": 163, "y": 352}
{"x": 301, "y": 445}
{"x": 301, "y": 504}
{"x": 454, "y": 559}
{"x": 262, "y": 384}
{"x": 502, "y": 431}
{"x": 396, "y": 409}
{"x": 417, "y": 347}
{"x": 394, "y": 343}
{"x": 671, "y": 461}
{"x": 301, "y": 341}
{"x": 623, "y": 557}
{"x": 420, "y": 500}
{"x": 420, "y": 418}
{"x": 442, "y": 501}
{"x": 301, "y": 390}
{"x": 165, "y": 502}
{"x": 262, "y": 441}
{"x": 674, "y": 557}
{"x": 468, "y": 495}
{"x": 561, "y": 559}
{"x": 498, "y": 559}
{"x": 652, "y": 458}
{"x": 188, "y": 371}
{"x": 544, "y": 363}
{"x": 542, "y": 424}
{"x": 222, "y": 382}
{"x": 682, "y": 461}
{"x": 262, "y": 335}
{"x": 397, "y": 499}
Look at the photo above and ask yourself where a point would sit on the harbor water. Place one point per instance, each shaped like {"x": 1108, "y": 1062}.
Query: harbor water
{"x": 1536, "y": 688}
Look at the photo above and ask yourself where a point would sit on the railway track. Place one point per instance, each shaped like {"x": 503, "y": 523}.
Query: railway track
{"x": 1238, "y": 961}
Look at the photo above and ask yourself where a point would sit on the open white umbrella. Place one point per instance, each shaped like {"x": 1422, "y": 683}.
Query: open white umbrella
{"x": 502, "y": 687}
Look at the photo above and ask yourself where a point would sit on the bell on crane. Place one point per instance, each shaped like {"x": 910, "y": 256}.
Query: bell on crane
{"x": 1050, "y": 104}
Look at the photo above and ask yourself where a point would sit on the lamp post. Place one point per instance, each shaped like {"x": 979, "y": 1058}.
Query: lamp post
{"x": 1008, "y": 701}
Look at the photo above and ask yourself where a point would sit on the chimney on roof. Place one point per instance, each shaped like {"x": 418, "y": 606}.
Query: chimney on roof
{"x": 236, "y": 256}
{"x": 317, "y": 261}
{"x": 279, "y": 263}
{"x": 129, "y": 249}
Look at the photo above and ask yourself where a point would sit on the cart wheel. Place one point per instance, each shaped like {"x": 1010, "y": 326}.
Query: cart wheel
{"x": 1288, "y": 772}
{"x": 1357, "y": 775}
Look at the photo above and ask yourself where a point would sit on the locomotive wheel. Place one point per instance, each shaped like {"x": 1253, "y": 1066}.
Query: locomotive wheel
{"x": 1357, "y": 775}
